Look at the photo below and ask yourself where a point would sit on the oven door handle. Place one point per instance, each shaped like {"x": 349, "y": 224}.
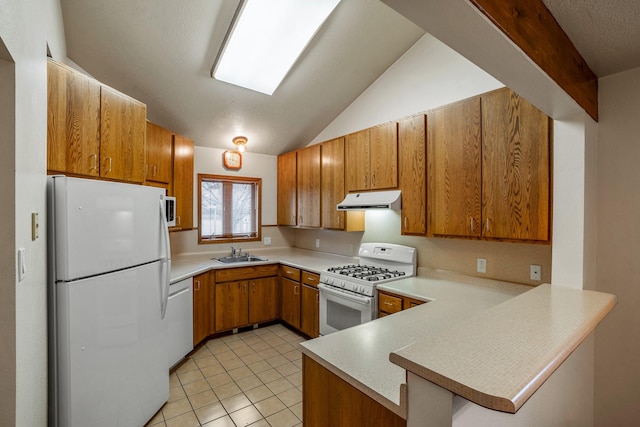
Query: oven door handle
{"x": 355, "y": 298}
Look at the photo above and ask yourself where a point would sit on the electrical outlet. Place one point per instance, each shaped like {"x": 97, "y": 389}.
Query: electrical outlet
{"x": 536, "y": 272}
{"x": 482, "y": 265}
{"x": 317, "y": 243}
{"x": 267, "y": 240}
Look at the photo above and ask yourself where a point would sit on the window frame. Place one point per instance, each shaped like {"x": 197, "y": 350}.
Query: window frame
{"x": 233, "y": 180}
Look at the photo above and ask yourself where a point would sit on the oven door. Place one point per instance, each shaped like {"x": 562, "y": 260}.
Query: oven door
{"x": 340, "y": 309}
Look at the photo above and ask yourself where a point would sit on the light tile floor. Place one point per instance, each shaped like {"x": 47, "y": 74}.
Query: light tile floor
{"x": 252, "y": 378}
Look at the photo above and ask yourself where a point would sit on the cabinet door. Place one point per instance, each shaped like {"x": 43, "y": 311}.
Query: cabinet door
{"x": 383, "y": 156}
{"x": 73, "y": 121}
{"x": 123, "y": 136}
{"x": 287, "y": 189}
{"x": 332, "y": 177}
{"x": 413, "y": 180}
{"x": 263, "y": 299}
{"x": 290, "y": 311}
{"x": 202, "y": 307}
{"x": 454, "y": 170}
{"x": 310, "y": 312}
{"x": 232, "y": 305}
{"x": 515, "y": 168}
{"x": 182, "y": 187}
{"x": 357, "y": 169}
{"x": 308, "y": 184}
{"x": 159, "y": 142}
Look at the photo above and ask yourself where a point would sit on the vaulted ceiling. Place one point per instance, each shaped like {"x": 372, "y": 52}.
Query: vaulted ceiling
{"x": 161, "y": 52}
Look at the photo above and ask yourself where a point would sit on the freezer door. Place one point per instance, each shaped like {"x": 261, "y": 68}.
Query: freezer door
{"x": 103, "y": 226}
{"x": 112, "y": 349}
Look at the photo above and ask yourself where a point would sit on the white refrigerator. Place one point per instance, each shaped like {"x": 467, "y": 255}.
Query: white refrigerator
{"x": 109, "y": 269}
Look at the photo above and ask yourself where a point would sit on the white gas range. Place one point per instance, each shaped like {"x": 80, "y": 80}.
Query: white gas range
{"x": 348, "y": 293}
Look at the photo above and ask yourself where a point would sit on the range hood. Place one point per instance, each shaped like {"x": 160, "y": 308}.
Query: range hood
{"x": 371, "y": 200}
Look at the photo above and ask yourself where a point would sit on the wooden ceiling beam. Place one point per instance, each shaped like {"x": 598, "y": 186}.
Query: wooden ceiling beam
{"x": 532, "y": 27}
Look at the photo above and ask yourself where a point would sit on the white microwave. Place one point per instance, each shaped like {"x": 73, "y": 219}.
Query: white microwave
{"x": 170, "y": 210}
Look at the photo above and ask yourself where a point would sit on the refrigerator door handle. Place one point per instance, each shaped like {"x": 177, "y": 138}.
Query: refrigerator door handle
{"x": 166, "y": 260}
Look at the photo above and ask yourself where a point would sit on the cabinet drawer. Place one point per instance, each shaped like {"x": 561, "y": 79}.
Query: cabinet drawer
{"x": 389, "y": 304}
{"x": 243, "y": 273}
{"x": 414, "y": 302}
{"x": 290, "y": 272}
{"x": 310, "y": 279}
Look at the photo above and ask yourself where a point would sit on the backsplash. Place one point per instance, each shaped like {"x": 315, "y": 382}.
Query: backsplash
{"x": 506, "y": 261}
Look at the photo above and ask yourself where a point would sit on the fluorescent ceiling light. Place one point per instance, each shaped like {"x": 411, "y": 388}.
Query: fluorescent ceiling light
{"x": 265, "y": 40}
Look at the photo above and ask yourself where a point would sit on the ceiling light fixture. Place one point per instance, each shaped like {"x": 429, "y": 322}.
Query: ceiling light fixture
{"x": 265, "y": 39}
{"x": 240, "y": 142}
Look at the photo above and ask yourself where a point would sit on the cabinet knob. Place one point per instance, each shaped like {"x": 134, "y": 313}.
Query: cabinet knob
{"x": 197, "y": 286}
{"x": 487, "y": 226}
{"x": 471, "y": 225}
{"x": 109, "y": 168}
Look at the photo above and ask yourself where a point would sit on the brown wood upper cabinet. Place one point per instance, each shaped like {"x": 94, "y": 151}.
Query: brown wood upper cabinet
{"x": 182, "y": 185}
{"x": 412, "y": 160}
{"x": 287, "y": 189}
{"x": 159, "y": 150}
{"x": 372, "y": 158}
{"x": 92, "y": 129}
{"x": 123, "y": 132}
{"x": 308, "y": 186}
{"x": 516, "y": 175}
{"x": 332, "y": 178}
{"x": 488, "y": 169}
{"x": 333, "y": 189}
{"x": 73, "y": 122}
{"x": 453, "y": 169}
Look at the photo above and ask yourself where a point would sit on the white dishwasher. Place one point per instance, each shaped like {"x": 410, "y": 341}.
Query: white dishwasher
{"x": 180, "y": 317}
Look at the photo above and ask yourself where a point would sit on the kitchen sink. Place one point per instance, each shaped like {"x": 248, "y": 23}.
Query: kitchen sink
{"x": 237, "y": 259}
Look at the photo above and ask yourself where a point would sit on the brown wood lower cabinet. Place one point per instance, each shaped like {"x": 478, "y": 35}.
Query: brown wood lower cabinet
{"x": 231, "y": 298}
{"x": 245, "y": 296}
{"x": 310, "y": 311}
{"x": 328, "y": 400}
{"x": 290, "y": 311}
{"x": 389, "y": 303}
{"x": 202, "y": 307}
{"x": 300, "y": 300}
{"x": 263, "y": 299}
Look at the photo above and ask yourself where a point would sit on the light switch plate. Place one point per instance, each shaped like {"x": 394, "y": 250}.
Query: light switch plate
{"x": 22, "y": 267}
{"x": 267, "y": 241}
{"x": 482, "y": 265}
{"x": 35, "y": 225}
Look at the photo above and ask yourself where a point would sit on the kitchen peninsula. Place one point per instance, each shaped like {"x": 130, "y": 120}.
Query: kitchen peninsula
{"x": 493, "y": 344}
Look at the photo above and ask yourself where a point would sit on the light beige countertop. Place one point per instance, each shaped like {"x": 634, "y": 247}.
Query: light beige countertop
{"x": 360, "y": 355}
{"x": 501, "y": 356}
{"x": 185, "y": 266}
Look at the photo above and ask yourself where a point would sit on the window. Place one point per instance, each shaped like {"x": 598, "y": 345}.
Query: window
{"x": 229, "y": 208}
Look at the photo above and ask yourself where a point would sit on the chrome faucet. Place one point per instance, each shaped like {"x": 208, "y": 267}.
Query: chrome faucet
{"x": 236, "y": 252}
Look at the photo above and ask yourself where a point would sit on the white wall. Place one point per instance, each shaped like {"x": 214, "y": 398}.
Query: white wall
{"x": 428, "y": 75}
{"x": 26, "y": 27}
{"x": 618, "y": 267}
